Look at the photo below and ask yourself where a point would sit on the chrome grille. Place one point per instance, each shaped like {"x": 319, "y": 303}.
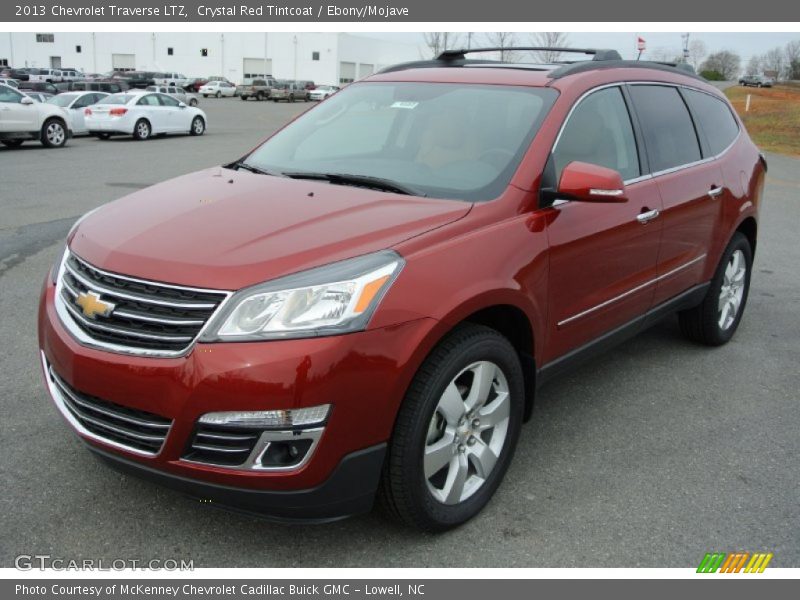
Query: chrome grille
{"x": 221, "y": 446}
{"x": 147, "y": 317}
{"x": 123, "y": 426}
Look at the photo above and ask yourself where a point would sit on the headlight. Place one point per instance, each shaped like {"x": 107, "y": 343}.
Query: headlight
{"x": 334, "y": 299}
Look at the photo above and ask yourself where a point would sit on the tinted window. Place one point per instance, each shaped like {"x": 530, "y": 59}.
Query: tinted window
{"x": 599, "y": 131}
{"x": 149, "y": 100}
{"x": 669, "y": 133}
{"x": 715, "y": 120}
{"x": 168, "y": 100}
{"x": 9, "y": 95}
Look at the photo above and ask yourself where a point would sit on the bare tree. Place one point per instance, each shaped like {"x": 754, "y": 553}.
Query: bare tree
{"x": 774, "y": 60}
{"x": 664, "y": 54}
{"x": 724, "y": 62}
{"x": 438, "y": 41}
{"x": 697, "y": 52}
{"x": 504, "y": 40}
{"x": 793, "y": 60}
{"x": 753, "y": 65}
{"x": 549, "y": 39}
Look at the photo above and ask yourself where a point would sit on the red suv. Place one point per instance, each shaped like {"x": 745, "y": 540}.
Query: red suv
{"x": 366, "y": 303}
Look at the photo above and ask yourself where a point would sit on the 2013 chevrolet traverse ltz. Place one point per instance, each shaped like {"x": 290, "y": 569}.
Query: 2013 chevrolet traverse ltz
{"x": 365, "y": 304}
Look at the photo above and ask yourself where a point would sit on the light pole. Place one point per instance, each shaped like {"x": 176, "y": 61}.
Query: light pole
{"x": 265, "y": 56}
{"x": 294, "y": 39}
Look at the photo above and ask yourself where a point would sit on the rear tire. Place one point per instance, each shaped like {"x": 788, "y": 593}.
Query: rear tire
{"x": 714, "y": 321}
{"x": 53, "y": 134}
{"x": 142, "y": 130}
{"x": 218, "y": 94}
{"x": 456, "y": 431}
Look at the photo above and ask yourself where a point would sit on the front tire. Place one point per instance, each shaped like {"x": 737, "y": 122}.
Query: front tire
{"x": 456, "y": 431}
{"x": 218, "y": 94}
{"x": 198, "y": 126}
{"x": 12, "y": 143}
{"x": 714, "y": 321}
{"x": 142, "y": 130}
{"x": 54, "y": 134}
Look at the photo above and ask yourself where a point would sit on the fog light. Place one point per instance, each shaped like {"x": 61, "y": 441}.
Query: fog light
{"x": 285, "y": 454}
{"x": 293, "y": 417}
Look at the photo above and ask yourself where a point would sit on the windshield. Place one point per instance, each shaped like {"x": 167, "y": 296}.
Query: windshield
{"x": 63, "y": 100}
{"x": 446, "y": 140}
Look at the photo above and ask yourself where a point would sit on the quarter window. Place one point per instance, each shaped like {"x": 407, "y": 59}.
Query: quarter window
{"x": 669, "y": 132}
{"x": 599, "y": 132}
{"x": 715, "y": 120}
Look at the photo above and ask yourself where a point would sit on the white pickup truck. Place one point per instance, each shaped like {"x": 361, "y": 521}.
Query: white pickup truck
{"x": 23, "y": 119}
{"x": 177, "y": 79}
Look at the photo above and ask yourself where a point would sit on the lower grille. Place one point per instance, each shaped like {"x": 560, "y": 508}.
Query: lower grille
{"x": 134, "y": 429}
{"x": 221, "y": 445}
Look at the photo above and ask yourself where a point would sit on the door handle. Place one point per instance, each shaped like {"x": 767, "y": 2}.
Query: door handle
{"x": 647, "y": 216}
{"x": 715, "y": 191}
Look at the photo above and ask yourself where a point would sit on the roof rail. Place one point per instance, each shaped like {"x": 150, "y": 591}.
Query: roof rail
{"x": 597, "y": 54}
{"x": 582, "y": 67}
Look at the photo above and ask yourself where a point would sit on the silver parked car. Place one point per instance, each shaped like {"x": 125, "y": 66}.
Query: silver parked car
{"x": 176, "y": 92}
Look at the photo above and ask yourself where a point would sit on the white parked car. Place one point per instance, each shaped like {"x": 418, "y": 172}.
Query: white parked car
{"x": 23, "y": 119}
{"x": 217, "y": 89}
{"x": 74, "y": 103}
{"x": 46, "y": 75}
{"x": 143, "y": 114}
{"x": 323, "y": 91}
{"x": 176, "y": 92}
{"x": 177, "y": 79}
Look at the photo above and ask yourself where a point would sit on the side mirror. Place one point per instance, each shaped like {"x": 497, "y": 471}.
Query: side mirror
{"x": 585, "y": 182}
{"x": 181, "y": 105}
{"x": 27, "y": 100}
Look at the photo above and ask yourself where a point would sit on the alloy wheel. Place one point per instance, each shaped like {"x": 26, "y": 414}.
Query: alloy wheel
{"x": 732, "y": 290}
{"x": 467, "y": 432}
{"x": 55, "y": 134}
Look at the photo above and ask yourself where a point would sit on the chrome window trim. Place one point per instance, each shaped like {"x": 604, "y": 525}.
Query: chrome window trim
{"x": 654, "y": 174}
{"x": 58, "y": 400}
{"x": 631, "y": 291}
{"x": 69, "y": 323}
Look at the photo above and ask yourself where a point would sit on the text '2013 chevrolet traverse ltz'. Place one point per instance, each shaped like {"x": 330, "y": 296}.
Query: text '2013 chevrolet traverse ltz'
{"x": 365, "y": 304}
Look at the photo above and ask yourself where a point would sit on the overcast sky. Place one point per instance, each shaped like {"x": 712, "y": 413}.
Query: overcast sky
{"x": 744, "y": 44}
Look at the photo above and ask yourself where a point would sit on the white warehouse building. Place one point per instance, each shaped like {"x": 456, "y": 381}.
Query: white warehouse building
{"x": 325, "y": 58}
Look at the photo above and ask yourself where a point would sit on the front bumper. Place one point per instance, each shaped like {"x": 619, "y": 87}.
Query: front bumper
{"x": 363, "y": 377}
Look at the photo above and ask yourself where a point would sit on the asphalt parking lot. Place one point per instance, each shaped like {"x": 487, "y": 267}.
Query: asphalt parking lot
{"x": 651, "y": 456}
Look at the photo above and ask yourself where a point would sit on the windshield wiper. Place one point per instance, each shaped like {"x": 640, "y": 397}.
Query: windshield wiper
{"x": 377, "y": 183}
{"x": 240, "y": 164}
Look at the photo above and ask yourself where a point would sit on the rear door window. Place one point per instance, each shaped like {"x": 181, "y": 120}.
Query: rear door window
{"x": 715, "y": 120}
{"x": 599, "y": 132}
{"x": 669, "y": 133}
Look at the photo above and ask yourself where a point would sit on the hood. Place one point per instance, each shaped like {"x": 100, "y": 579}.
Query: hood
{"x": 227, "y": 229}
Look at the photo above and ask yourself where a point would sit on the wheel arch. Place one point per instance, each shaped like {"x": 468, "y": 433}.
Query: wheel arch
{"x": 749, "y": 228}
{"x": 505, "y": 312}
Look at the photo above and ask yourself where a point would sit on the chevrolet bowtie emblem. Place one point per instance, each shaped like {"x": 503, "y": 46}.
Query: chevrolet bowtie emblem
{"x": 91, "y": 305}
